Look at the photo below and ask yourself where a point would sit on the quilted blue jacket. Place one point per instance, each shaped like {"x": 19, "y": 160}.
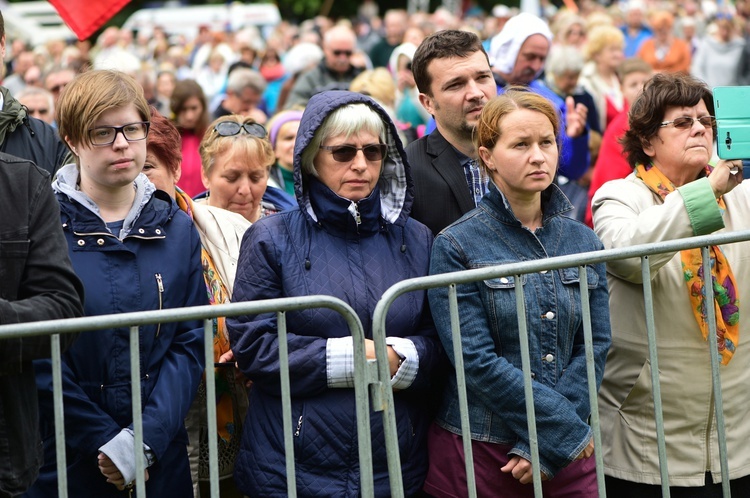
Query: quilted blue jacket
{"x": 156, "y": 266}
{"x": 320, "y": 249}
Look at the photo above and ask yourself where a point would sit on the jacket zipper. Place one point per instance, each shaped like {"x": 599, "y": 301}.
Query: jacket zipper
{"x": 299, "y": 427}
{"x": 160, "y": 285}
{"x": 354, "y": 211}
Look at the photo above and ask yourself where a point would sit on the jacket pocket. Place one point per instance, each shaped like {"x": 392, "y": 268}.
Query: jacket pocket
{"x": 13, "y": 255}
{"x": 116, "y": 399}
{"x": 570, "y": 276}
{"x": 500, "y": 299}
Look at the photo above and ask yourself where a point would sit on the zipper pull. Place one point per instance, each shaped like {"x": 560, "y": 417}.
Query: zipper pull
{"x": 160, "y": 286}
{"x": 299, "y": 427}
{"x": 354, "y": 211}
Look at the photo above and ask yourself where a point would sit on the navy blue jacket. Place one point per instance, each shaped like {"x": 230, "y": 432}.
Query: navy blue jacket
{"x": 320, "y": 249}
{"x": 157, "y": 265}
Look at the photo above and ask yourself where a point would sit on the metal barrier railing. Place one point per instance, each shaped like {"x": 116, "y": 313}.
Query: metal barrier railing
{"x": 580, "y": 260}
{"x": 376, "y": 374}
{"x": 364, "y": 375}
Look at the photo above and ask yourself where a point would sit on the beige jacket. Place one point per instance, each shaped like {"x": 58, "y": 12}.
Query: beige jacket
{"x": 221, "y": 234}
{"x": 627, "y": 213}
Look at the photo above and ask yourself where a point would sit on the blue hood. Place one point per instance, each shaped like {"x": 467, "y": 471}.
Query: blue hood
{"x": 395, "y": 183}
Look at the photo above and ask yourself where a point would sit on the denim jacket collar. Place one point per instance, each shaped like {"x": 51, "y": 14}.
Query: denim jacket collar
{"x": 554, "y": 203}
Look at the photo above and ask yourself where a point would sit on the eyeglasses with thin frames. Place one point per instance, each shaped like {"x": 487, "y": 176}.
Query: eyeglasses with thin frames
{"x": 347, "y": 153}
{"x": 106, "y": 135}
{"x": 232, "y": 128}
{"x": 686, "y": 122}
{"x": 339, "y": 53}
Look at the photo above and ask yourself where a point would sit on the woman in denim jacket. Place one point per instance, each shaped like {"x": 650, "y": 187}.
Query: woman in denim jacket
{"x": 520, "y": 218}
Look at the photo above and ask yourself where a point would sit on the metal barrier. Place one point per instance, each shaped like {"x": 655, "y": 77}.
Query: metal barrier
{"x": 364, "y": 375}
{"x": 377, "y": 374}
{"x": 517, "y": 269}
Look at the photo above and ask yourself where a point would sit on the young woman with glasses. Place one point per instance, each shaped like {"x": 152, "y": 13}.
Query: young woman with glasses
{"x": 237, "y": 158}
{"x": 351, "y": 238}
{"x": 134, "y": 250}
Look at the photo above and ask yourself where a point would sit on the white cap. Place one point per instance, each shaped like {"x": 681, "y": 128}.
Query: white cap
{"x": 501, "y": 10}
{"x": 505, "y": 46}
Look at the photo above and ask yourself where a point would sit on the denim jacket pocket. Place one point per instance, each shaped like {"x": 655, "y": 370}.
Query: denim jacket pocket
{"x": 569, "y": 276}
{"x": 500, "y": 299}
{"x": 13, "y": 254}
{"x": 508, "y": 282}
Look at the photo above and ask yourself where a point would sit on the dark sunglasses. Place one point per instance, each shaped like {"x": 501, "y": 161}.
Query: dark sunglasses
{"x": 347, "y": 153}
{"x": 408, "y": 66}
{"x": 686, "y": 122}
{"x": 232, "y": 128}
{"x": 57, "y": 88}
{"x": 339, "y": 53}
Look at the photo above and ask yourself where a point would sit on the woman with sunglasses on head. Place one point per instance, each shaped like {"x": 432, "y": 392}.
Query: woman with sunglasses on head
{"x": 351, "y": 238}
{"x": 221, "y": 232}
{"x": 237, "y": 159}
{"x": 134, "y": 250}
{"x": 675, "y": 193}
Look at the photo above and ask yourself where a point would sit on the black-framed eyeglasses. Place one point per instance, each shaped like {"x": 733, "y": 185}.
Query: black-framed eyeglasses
{"x": 346, "y": 153}
{"x": 232, "y": 128}
{"x": 408, "y": 66}
{"x": 339, "y": 53}
{"x": 686, "y": 122}
{"x": 106, "y": 135}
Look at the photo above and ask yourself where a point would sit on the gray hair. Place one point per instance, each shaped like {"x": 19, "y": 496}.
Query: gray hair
{"x": 563, "y": 59}
{"x": 242, "y": 78}
{"x": 347, "y": 120}
{"x": 30, "y": 91}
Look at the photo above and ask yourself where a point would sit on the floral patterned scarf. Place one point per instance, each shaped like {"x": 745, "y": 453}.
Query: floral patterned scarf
{"x": 726, "y": 300}
{"x": 217, "y": 294}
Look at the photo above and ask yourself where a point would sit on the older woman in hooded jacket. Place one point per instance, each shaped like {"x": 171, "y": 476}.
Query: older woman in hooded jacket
{"x": 351, "y": 238}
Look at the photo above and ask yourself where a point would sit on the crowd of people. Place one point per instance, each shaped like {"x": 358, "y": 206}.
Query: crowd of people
{"x": 339, "y": 158}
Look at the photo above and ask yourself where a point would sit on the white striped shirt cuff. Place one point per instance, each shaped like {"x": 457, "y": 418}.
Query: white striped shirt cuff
{"x": 340, "y": 362}
{"x": 407, "y": 372}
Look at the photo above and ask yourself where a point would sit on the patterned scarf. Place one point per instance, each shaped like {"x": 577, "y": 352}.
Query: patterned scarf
{"x": 217, "y": 294}
{"x": 726, "y": 300}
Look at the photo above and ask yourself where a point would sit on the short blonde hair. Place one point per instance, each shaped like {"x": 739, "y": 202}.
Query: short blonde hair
{"x": 214, "y": 145}
{"x": 601, "y": 37}
{"x": 91, "y": 94}
{"x": 377, "y": 83}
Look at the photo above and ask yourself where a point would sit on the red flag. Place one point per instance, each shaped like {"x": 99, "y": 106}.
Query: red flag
{"x": 84, "y": 17}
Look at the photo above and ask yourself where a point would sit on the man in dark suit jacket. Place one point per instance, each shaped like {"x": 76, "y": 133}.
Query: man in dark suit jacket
{"x": 455, "y": 81}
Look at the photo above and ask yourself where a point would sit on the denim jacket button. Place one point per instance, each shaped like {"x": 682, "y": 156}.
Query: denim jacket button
{"x": 504, "y": 280}
{"x": 100, "y": 242}
{"x": 549, "y": 358}
{"x": 81, "y": 242}
{"x": 543, "y": 272}
{"x": 549, "y": 315}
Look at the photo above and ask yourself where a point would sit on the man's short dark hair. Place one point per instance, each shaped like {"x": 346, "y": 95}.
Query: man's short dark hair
{"x": 442, "y": 45}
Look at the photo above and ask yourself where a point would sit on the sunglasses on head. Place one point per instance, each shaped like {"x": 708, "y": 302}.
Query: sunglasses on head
{"x": 339, "y": 53}
{"x": 232, "y": 128}
{"x": 347, "y": 153}
{"x": 686, "y": 122}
